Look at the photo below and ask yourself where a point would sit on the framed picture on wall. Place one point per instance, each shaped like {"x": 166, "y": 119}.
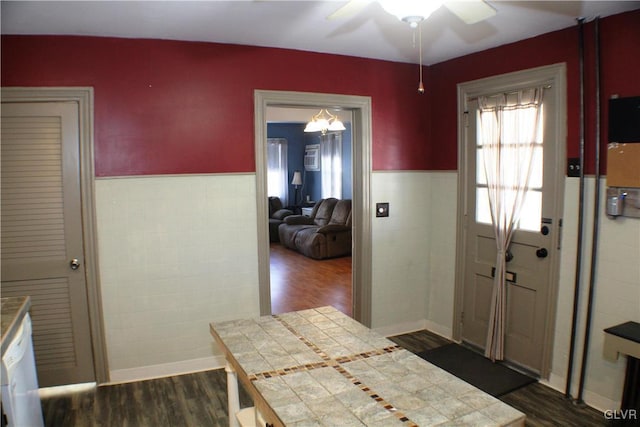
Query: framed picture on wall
{"x": 312, "y": 157}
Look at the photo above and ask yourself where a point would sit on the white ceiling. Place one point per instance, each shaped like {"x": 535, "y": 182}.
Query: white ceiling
{"x": 371, "y": 33}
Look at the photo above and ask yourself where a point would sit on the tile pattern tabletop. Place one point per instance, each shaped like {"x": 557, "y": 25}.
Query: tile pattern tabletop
{"x": 319, "y": 367}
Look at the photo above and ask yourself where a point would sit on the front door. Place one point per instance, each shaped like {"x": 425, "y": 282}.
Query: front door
{"x": 531, "y": 253}
{"x": 42, "y": 245}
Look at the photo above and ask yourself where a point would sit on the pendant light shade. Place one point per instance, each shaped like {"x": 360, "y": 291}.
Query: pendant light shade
{"x": 324, "y": 121}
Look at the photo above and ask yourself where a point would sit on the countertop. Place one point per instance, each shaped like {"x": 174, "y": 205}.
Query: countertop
{"x": 320, "y": 367}
{"x": 13, "y": 311}
{"x": 622, "y": 339}
{"x": 628, "y": 330}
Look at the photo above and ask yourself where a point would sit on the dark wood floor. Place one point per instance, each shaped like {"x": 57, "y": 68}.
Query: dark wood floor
{"x": 200, "y": 399}
{"x": 192, "y": 400}
{"x": 299, "y": 282}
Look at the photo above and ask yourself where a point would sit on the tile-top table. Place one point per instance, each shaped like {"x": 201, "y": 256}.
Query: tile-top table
{"x": 319, "y": 367}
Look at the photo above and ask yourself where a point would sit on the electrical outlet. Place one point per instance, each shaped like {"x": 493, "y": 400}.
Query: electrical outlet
{"x": 573, "y": 167}
{"x": 382, "y": 210}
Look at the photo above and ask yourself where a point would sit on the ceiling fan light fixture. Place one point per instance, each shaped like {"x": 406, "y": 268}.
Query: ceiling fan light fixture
{"x": 413, "y": 21}
{"x": 411, "y": 11}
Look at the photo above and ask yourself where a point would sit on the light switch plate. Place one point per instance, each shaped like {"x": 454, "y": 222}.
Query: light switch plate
{"x": 382, "y": 210}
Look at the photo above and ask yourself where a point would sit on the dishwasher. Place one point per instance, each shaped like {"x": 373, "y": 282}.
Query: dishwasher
{"x": 20, "y": 399}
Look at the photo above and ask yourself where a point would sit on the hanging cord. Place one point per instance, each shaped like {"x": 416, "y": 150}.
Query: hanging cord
{"x": 420, "y": 85}
{"x": 576, "y": 291}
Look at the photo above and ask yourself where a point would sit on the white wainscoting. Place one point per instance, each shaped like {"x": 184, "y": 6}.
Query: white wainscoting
{"x": 616, "y": 297}
{"x": 176, "y": 253}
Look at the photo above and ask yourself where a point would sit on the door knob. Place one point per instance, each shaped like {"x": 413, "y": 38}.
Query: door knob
{"x": 508, "y": 256}
{"x": 74, "y": 264}
{"x": 542, "y": 253}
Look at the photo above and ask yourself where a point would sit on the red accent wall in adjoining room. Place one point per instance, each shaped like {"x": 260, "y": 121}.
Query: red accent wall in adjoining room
{"x": 620, "y": 74}
{"x": 169, "y": 107}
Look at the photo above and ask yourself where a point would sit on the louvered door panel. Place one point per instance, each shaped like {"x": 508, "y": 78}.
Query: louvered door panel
{"x": 32, "y": 203}
{"x": 51, "y": 314}
{"x": 41, "y": 232}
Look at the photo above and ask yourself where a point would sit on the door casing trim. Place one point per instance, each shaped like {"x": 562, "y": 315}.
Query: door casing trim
{"x": 554, "y": 74}
{"x": 83, "y": 96}
{"x": 361, "y": 134}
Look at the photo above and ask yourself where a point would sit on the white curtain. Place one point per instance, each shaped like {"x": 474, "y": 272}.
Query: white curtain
{"x": 509, "y": 129}
{"x": 277, "y": 169}
{"x": 331, "y": 164}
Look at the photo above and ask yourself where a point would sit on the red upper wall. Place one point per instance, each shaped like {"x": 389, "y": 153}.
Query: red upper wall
{"x": 620, "y": 74}
{"x": 166, "y": 107}
{"x": 182, "y": 107}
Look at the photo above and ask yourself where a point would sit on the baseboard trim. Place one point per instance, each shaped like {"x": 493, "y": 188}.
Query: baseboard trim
{"x": 592, "y": 399}
{"x": 418, "y": 325}
{"x": 402, "y": 328}
{"x": 119, "y": 376}
{"x": 438, "y": 329}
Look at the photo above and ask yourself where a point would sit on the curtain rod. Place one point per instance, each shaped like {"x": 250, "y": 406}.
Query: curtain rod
{"x": 475, "y": 98}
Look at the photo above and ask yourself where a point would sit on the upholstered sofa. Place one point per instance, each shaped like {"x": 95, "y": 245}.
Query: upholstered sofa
{"x": 326, "y": 233}
{"x": 277, "y": 214}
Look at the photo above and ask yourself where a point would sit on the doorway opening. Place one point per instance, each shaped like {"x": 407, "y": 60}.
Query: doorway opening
{"x": 310, "y": 260}
{"x": 360, "y": 108}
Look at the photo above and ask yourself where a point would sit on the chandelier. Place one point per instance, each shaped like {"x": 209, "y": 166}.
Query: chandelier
{"x": 324, "y": 121}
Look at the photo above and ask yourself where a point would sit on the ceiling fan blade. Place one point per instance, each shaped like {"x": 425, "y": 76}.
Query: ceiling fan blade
{"x": 351, "y": 8}
{"x": 471, "y": 11}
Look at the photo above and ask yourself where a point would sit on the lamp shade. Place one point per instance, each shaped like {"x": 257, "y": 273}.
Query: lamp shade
{"x": 297, "y": 178}
{"x": 336, "y": 125}
{"x": 312, "y": 126}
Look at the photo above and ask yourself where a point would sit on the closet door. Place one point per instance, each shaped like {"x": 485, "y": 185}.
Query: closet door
{"x": 42, "y": 246}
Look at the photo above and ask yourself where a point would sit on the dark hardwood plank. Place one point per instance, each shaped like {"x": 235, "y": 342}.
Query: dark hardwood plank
{"x": 547, "y": 407}
{"x": 198, "y": 399}
{"x": 299, "y": 282}
{"x": 419, "y": 341}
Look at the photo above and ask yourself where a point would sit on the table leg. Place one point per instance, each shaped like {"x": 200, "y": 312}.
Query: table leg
{"x": 233, "y": 398}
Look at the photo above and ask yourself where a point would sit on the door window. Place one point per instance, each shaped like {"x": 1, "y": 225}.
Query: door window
{"x": 513, "y": 122}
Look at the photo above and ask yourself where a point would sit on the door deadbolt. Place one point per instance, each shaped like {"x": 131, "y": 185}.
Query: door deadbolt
{"x": 74, "y": 264}
{"x": 542, "y": 253}
{"x": 508, "y": 256}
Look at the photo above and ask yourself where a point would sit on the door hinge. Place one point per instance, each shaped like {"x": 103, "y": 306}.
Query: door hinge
{"x": 559, "y": 233}
{"x": 466, "y": 119}
{"x": 462, "y": 317}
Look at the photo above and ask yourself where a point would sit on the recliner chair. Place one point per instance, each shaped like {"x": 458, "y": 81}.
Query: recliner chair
{"x": 277, "y": 214}
{"x": 324, "y": 234}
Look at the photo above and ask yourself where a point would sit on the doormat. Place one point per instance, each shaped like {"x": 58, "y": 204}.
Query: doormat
{"x": 493, "y": 378}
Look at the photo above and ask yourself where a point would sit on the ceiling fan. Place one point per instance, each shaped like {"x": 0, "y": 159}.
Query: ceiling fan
{"x": 415, "y": 11}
